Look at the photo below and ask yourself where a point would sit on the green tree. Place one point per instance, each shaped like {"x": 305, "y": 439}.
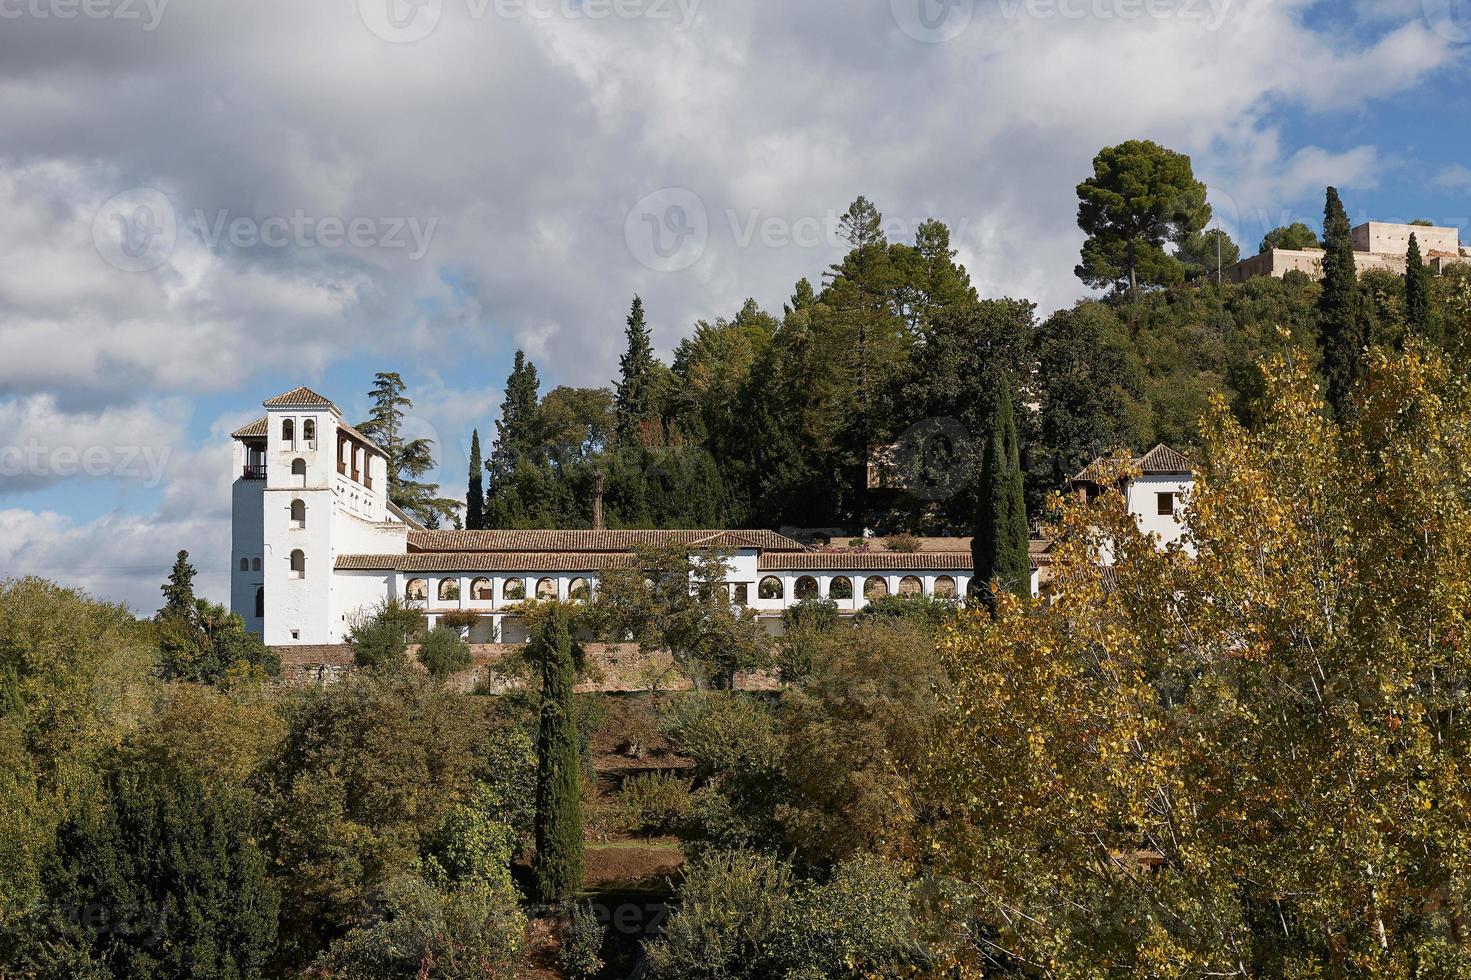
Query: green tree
{"x": 167, "y": 880}
{"x": 672, "y": 600}
{"x": 444, "y": 653}
{"x": 359, "y": 791}
{"x": 408, "y": 459}
{"x": 1342, "y": 332}
{"x": 999, "y": 547}
{"x": 1205, "y": 254}
{"x": 1417, "y": 295}
{"x": 637, "y": 394}
{"x": 212, "y": 646}
{"x": 178, "y": 591}
{"x": 475, "y": 491}
{"x": 558, "y": 862}
{"x": 1091, "y": 390}
{"x": 380, "y": 637}
{"x": 1140, "y": 197}
{"x": 1294, "y": 237}
{"x": 518, "y": 475}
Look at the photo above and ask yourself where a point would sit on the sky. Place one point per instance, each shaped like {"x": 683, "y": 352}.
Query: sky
{"x": 204, "y": 203}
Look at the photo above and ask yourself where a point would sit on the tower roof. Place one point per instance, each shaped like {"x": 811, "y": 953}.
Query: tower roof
{"x": 300, "y": 398}
{"x": 255, "y": 430}
{"x": 1159, "y": 461}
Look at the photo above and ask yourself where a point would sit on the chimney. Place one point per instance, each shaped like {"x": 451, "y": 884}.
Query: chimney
{"x": 597, "y": 500}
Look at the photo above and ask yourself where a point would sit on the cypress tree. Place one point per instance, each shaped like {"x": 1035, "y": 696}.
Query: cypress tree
{"x": 1342, "y": 332}
{"x": 636, "y": 393}
{"x": 1417, "y": 293}
{"x": 178, "y": 591}
{"x": 999, "y": 548}
{"x": 475, "y": 492}
{"x": 558, "y": 863}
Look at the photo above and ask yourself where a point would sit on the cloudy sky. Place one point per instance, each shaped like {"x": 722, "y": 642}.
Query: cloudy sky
{"x": 203, "y": 204}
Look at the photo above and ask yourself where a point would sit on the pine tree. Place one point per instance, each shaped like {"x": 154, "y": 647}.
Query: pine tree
{"x": 1342, "y": 332}
{"x": 407, "y": 458}
{"x": 178, "y": 592}
{"x": 999, "y": 549}
{"x": 1417, "y": 294}
{"x": 637, "y": 395}
{"x": 515, "y": 438}
{"x": 475, "y": 492}
{"x": 558, "y": 863}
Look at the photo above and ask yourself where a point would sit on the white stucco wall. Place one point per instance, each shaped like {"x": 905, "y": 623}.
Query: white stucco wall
{"x": 1143, "y": 503}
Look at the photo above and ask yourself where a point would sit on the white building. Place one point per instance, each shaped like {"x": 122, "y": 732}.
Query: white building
{"x": 1156, "y": 487}
{"x": 317, "y": 543}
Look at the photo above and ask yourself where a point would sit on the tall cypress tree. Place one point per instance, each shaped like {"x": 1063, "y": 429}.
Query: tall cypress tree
{"x": 636, "y": 395}
{"x": 1417, "y": 294}
{"x": 515, "y": 430}
{"x": 178, "y": 591}
{"x": 475, "y": 491}
{"x": 558, "y": 863}
{"x": 999, "y": 548}
{"x": 1342, "y": 331}
{"x": 408, "y": 459}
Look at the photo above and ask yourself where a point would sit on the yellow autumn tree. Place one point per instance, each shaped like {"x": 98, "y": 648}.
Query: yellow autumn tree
{"x": 1245, "y": 755}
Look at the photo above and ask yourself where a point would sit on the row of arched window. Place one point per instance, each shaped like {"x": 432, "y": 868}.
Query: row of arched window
{"x": 308, "y": 432}
{"x": 483, "y": 589}
{"x": 841, "y": 587}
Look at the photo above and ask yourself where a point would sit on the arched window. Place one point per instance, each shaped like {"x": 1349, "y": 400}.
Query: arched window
{"x": 840, "y": 588}
{"x": 741, "y": 594}
{"x": 260, "y": 603}
{"x": 875, "y": 587}
{"x": 911, "y": 585}
{"x": 309, "y": 432}
{"x": 546, "y": 588}
{"x": 945, "y": 587}
{"x": 298, "y": 513}
{"x": 255, "y": 564}
{"x": 806, "y": 588}
{"x": 515, "y": 590}
{"x": 417, "y": 590}
{"x": 288, "y": 431}
{"x": 245, "y": 564}
{"x": 482, "y": 589}
{"x": 298, "y": 564}
{"x": 298, "y": 472}
{"x": 770, "y": 588}
{"x": 449, "y": 589}
{"x": 577, "y": 590}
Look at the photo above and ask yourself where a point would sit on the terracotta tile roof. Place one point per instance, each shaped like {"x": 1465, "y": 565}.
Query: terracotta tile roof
{"x": 368, "y": 444}
{"x": 255, "y": 430}
{"x": 595, "y": 541}
{"x": 487, "y": 561}
{"x": 1158, "y": 461}
{"x": 868, "y": 561}
{"x": 299, "y": 398}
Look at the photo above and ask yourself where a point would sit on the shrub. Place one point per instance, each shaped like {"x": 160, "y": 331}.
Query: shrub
{"x": 582, "y": 943}
{"x": 730, "y": 909}
{"x": 443, "y": 653}
{"x": 381, "y": 638}
{"x": 459, "y": 619}
{"x": 653, "y": 803}
{"x": 904, "y": 543}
